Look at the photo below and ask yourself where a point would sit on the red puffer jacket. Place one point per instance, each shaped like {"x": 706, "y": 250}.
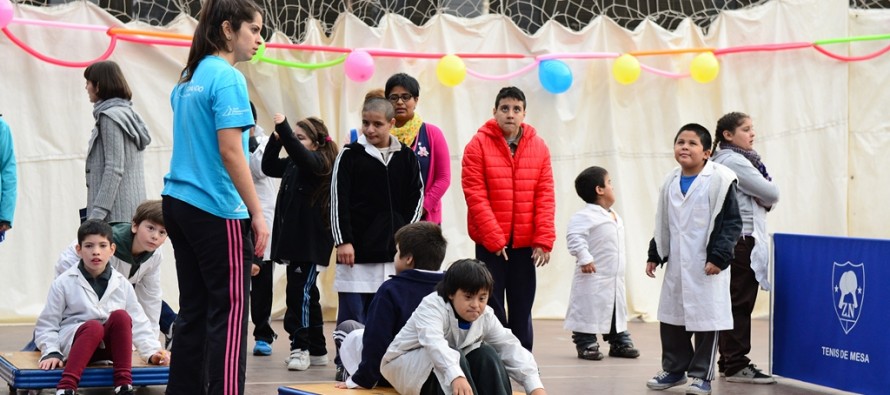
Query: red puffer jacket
{"x": 508, "y": 192}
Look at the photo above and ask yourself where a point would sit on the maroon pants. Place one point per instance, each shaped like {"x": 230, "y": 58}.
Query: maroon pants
{"x": 117, "y": 334}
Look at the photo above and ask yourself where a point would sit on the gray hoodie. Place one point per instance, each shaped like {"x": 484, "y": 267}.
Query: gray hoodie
{"x": 115, "y": 174}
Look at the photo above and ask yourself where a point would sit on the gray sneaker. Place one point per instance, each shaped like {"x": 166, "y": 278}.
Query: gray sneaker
{"x": 751, "y": 375}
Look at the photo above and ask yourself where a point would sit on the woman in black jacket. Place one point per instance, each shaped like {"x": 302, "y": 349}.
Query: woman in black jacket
{"x": 301, "y": 237}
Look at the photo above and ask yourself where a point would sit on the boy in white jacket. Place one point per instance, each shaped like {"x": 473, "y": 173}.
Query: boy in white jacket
{"x": 91, "y": 314}
{"x": 597, "y": 303}
{"x": 456, "y": 337}
{"x": 138, "y": 257}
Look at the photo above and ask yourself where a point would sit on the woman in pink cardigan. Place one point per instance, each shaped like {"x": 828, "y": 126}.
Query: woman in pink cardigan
{"x": 426, "y": 139}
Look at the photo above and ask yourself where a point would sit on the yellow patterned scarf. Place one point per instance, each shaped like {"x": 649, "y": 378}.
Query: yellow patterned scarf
{"x": 408, "y": 131}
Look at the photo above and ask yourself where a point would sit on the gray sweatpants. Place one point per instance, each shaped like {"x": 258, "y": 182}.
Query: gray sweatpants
{"x": 681, "y": 353}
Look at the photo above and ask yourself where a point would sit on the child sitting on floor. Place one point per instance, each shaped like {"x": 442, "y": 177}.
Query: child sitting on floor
{"x": 92, "y": 314}
{"x": 420, "y": 249}
{"x": 456, "y": 337}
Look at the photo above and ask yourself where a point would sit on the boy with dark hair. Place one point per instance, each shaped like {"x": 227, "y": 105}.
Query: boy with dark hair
{"x": 420, "y": 249}
{"x": 376, "y": 189}
{"x": 697, "y": 224}
{"x": 597, "y": 303}
{"x": 138, "y": 257}
{"x": 81, "y": 324}
{"x": 507, "y": 180}
{"x": 453, "y": 343}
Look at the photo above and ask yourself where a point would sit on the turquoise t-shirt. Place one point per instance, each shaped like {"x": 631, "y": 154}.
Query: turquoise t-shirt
{"x": 215, "y": 98}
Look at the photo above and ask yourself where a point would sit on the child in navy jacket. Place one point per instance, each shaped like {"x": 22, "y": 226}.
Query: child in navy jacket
{"x": 420, "y": 249}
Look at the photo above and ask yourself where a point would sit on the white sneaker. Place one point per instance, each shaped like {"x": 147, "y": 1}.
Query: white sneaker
{"x": 318, "y": 360}
{"x": 298, "y": 360}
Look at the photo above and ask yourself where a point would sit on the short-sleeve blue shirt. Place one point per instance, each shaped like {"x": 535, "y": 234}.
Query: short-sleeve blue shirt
{"x": 215, "y": 98}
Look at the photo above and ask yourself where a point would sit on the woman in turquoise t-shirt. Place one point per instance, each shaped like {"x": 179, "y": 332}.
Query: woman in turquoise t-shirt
{"x": 210, "y": 205}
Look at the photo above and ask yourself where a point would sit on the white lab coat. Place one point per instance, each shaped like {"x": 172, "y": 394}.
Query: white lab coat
{"x": 689, "y": 297}
{"x": 72, "y": 301}
{"x": 146, "y": 282}
{"x": 266, "y": 190}
{"x": 432, "y": 341}
{"x": 594, "y": 236}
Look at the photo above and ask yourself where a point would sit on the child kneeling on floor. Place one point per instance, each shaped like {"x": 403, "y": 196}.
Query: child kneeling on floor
{"x": 456, "y": 337}
{"x": 92, "y": 314}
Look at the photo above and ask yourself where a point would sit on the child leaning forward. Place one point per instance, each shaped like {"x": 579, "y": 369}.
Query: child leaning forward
{"x": 456, "y": 337}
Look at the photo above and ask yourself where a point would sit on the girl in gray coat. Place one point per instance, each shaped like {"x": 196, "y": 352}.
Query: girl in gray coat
{"x": 114, "y": 166}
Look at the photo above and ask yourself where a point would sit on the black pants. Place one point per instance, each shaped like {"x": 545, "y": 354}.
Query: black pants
{"x": 484, "y": 370}
{"x": 680, "y": 354}
{"x": 261, "y": 302}
{"x": 735, "y": 344}
{"x": 517, "y": 280}
{"x": 213, "y": 267}
{"x": 303, "y": 320}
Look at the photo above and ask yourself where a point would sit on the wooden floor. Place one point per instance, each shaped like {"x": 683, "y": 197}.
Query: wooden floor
{"x": 561, "y": 371}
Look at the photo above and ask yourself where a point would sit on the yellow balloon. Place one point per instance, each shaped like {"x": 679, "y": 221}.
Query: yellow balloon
{"x": 626, "y": 69}
{"x": 451, "y": 70}
{"x": 704, "y": 67}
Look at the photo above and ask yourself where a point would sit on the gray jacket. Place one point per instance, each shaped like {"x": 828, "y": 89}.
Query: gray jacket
{"x": 115, "y": 174}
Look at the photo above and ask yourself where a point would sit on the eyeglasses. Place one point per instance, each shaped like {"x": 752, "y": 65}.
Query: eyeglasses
{"x": 404, "y": 97}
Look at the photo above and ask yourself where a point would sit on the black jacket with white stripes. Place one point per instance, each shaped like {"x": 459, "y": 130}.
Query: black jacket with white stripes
{"x": 371, "y": 198}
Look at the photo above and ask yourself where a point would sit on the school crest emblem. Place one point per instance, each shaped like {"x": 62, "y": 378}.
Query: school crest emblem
{"x": 848, "y": 293}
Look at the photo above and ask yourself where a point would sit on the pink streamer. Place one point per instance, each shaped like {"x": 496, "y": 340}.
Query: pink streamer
{"x": 64, "y": 25}
{"x": 60, "y": 62}
{"x": 663, "y": 73}
{"x": 852, "y": 58}
{"x": 508, "y": 76}
{"x": 582, "y": 55}
{"x": 762, "y": 48}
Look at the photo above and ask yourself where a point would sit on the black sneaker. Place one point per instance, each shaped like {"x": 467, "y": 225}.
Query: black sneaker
{"x": 125, "y": 389}
{"x": 750, "y": 374}
{"x": 624, "y": 351}
{"x": 591, "y": 353}
{"x": 341, "y": 374}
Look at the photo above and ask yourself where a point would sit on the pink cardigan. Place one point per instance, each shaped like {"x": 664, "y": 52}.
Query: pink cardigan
{"x": 439, "y": 176}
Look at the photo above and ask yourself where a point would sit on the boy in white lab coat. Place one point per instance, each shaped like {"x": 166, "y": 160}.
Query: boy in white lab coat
{"x": 597, "y": 303}
{"x": 697, "y": 224}
{"x": 454, "y": 344}
{"x": 92, "y": 314}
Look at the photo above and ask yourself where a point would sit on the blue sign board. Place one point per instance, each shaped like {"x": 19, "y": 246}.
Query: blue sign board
{"x": 831, "y": 311}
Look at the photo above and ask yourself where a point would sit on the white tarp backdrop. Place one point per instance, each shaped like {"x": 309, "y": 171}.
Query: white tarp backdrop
{"x": 821, "y": 128}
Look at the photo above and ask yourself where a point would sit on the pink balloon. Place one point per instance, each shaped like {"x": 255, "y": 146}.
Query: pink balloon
{"x": 359, "y": 65}
{"x": 6, "y": 12}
